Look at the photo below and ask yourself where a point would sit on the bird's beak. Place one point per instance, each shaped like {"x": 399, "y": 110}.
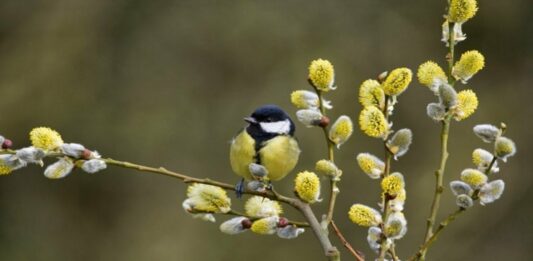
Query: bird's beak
{"x": 250, "y": 120}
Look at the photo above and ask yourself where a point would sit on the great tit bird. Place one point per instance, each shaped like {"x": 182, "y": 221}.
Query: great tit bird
{"x": 267, "y": 140}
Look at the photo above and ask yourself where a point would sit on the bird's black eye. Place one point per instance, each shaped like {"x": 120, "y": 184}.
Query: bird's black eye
{"x": 268, "y": 119}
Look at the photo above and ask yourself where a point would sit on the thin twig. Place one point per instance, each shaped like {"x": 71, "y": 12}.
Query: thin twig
{"x": 423, "y": 249}
{"x": 386, "y": 172}
{"x": 189, "y": 179}
{"x": 334, "y": 190}
{"x": 425, "y": 246}
{"x": 347, "y": 244}
{"x": 239, "y": 214}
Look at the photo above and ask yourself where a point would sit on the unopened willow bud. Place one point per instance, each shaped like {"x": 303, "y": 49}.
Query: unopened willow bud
{"x": 234, "y": 226}
{"x": 257, "y": 170}
{"x": 289, "y": 232}
{"x": 460, "y": 188}
{"x": 309, "y": 117}
{"x": 93, "y": 165}
{"x": 464, "y": 201}
{"x": 59, "y": 169}
{"x": 374, "y": 238}
{"x": 488, "y": 133}
{"x": 31, "y": 155}
{"x": 491, "y": 191}
{"x": 395, "y": 226}
{"x": 399, "y": 144}
{"x": 327, "y": 168}
{"x": 436, "y": 111}
{"x": 448, "y": 95}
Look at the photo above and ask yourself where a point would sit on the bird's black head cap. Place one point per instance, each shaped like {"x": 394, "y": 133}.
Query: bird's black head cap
{"x": 268, "y": 114}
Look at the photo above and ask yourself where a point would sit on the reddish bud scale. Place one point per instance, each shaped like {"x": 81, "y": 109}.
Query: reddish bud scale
{"x": 246, "y": 223}
{"x": 283, "y": 222}
{"x": 7, "y": 144}
{"x": 324, "y": 122}
{"x": 86, "y": 154}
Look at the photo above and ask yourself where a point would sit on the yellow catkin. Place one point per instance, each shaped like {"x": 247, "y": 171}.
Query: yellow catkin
{"x": 462, "y": 10}
{"x": 302, "y": 99}
{"x": 467, "y": 103}
{"x": 264, "y": 226}
{"x": 209, "y": 198}
{"x": 372, "y": 122}
{"x": 430, "y": 72}
{"x": 341, "y": 130}
{"x": 321, "y": 74}
{"x": 258, "y": 206}
{"x": 370, "y": 164}
{"x": 397, "y": 81}
{"x": 481, "y": 157}
{"x": 5, "y": 169}
{"x": 473, "y": 177}
{"x": 469, "y": 64}
{"x": 364, "y": 216}
{"x": 393, "y": 184}
{"x": 45, "y": 138}
{"x": 328, "y": 168}
{"x": 504, "y": 147}
{"x": 371, "y": 94}
{"x": 307, "y": 186}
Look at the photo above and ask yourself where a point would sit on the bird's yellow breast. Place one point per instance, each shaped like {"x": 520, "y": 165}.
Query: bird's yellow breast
{"x": 242, "y": 153}
{"x": 278, "y": 155}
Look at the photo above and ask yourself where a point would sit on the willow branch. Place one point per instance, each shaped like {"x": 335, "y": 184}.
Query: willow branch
{"x": 423, "y": 249}
{"x": 444, "y": 148}
{"x": 334, "y": 191}
{"x": 439, "y": 188}
{"x": 420, "y": 255}
{"x": 388, "y": 159}
{"x": 330, "y": 251}
{"x": 189, "y": 179}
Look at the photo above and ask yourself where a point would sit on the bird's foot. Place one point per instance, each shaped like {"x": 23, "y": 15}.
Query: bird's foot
{"x": 239, "y": 188}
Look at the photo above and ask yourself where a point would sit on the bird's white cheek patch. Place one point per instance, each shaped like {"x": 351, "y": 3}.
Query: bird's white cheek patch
{"x": 279, "y": 127}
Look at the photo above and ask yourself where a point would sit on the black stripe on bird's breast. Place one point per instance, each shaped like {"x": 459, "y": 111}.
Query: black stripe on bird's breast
{"x": 260, "y": 137}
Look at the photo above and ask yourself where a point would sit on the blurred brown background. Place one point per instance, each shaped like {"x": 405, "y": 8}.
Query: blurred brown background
{"x": 167, "y": 83}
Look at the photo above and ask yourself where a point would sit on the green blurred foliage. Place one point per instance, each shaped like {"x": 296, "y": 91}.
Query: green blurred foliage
{"x": 168, "y": 83}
